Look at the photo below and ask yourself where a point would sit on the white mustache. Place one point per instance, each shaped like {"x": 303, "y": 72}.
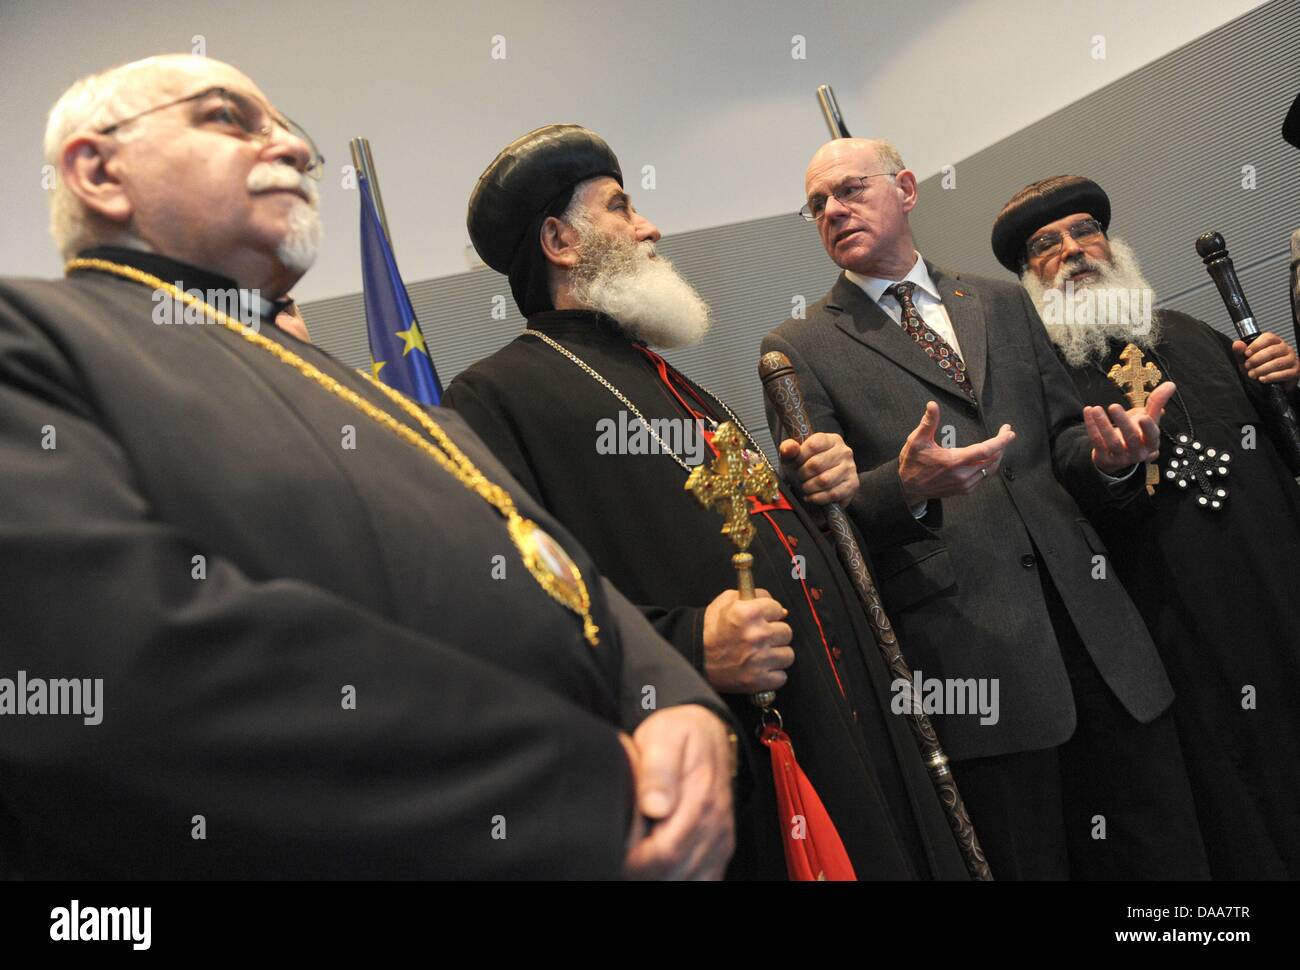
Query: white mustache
{"x": 269, "y": 176}
{"x": 1084, "y": 264}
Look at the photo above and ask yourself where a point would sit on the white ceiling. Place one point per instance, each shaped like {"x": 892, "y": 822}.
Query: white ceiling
{"x": 704, "y": 90}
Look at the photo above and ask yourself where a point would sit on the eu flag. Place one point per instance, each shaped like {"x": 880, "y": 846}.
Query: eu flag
{"x": 397, "y": 348}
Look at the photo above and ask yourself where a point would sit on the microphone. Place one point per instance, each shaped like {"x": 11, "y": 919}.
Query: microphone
{"x": 1214, "y": 253}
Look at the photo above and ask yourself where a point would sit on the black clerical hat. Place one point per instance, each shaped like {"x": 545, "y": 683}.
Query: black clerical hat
{"x": 533, "y": 178}
{"x": 1291, "y": 127}
{"x": 1040, "y": 203}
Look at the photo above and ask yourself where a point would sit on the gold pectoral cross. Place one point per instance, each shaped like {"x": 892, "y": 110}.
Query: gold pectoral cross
{"x": 1137, "y": 378}
{"x": 726, "y": 486}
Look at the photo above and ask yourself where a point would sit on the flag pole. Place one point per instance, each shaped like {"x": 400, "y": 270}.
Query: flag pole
{"x": 831, "y": 111}
{"x": 364, "y": 163}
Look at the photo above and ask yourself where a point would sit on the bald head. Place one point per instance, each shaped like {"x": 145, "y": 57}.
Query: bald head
{"x": 870, "y": 154}
{"x": 861, "y": 193}
{"x": 182, "y": 179}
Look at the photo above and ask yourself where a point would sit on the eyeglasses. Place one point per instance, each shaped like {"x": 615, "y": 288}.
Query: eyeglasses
{"x": 1049, "y": 243}
{"x": 850, "y": 191}
{"x": 242, "y": 115}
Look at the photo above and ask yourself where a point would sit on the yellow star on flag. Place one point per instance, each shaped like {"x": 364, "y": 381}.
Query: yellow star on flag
{"x": 375, "y": 368}
{"x": 414, "y": 340}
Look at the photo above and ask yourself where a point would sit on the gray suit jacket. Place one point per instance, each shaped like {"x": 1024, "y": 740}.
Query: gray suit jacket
{"x": 961, "y": 584}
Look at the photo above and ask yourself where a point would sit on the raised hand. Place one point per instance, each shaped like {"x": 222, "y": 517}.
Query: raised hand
{"x": 1120, "y": 438}
{"x": 928, "y": 470}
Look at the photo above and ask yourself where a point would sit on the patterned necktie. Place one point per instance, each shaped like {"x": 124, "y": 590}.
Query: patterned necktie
{"x": 935, "y": 347}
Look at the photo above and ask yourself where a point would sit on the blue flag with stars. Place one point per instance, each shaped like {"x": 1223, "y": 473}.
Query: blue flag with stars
{"x": 400, "y": 358}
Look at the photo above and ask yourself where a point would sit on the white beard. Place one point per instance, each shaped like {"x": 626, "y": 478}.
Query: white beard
{"x": 1082, "y": 318}
{"x": 642, "y": 292}
{"x": 297, "y": 250}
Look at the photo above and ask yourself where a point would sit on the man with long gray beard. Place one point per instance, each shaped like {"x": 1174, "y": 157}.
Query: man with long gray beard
{"x": 1208, "y": 551}
{"x": 604, "y": 432}
{"x": 282, "y": 572}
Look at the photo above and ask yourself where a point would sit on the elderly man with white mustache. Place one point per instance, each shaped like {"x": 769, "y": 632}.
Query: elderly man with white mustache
{"x": 1208, "y": 553}
{"x": 286, "y": 575}
{"x": 140, "y": 170}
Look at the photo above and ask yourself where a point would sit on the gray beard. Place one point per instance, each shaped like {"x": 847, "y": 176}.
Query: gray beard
{"x": 297, "y": 250}
{"x": 643, "y": 293}
{"x": 1081, "y": 320}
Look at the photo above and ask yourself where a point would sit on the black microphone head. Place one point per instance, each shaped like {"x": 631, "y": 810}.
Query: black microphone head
{"x": 1211, "y": 246}
{"x": 1291, "y": 126}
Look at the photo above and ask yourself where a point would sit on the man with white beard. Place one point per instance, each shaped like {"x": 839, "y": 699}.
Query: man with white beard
{"x": 1208, "y": 553}
{"x": 264, "y": 556}
{"x": 604, "y": 432}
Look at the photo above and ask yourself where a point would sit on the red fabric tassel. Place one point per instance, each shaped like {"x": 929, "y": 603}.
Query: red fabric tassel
{"x": 813, "y": 850}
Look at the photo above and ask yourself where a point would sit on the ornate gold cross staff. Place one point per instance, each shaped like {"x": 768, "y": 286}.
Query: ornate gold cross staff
{"x": 726, "y": 486}
{"x": 1137, "y": 377}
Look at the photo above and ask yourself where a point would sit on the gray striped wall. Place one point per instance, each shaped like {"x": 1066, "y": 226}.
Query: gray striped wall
{"x": 1167, "y": 142}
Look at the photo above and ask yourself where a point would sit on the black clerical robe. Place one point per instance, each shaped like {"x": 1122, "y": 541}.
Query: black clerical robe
{"x": 1216, "y": 590}
{"x": 321, "y": 655}
{"x": 548, "y": 422}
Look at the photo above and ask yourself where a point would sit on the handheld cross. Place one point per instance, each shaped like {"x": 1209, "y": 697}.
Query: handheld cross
{"x": 726, "y": 486}
{"x": 1137, "y": 378}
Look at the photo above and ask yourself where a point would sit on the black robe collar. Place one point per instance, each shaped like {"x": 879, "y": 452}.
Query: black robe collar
{"x": 169, "y": 270}
{"x": 588, "y": 326}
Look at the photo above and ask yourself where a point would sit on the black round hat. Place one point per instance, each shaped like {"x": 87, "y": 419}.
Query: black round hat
{"x": 1040, "y": 203}
{"x": 531, "y": 179}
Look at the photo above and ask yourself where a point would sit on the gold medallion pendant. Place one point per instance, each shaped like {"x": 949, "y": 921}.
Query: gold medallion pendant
{"x": 551, "y": 566}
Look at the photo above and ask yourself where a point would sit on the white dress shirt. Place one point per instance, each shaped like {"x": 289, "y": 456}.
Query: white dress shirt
{"x": 925, "y": 296}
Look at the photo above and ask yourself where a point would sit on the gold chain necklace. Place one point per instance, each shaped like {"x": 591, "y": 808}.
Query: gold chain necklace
{"x": 545, "y": 559}
{"x": 599, "y": 378}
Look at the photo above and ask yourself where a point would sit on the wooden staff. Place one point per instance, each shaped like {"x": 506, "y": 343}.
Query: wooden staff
{"x": 782, "y": 387}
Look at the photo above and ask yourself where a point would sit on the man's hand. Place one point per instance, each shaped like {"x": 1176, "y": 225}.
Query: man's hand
{"x": 824, "y": 467}
{"x": 928, "y": 471}
{"x": 1121, "y": 439}
{"x": 1269, "y": 359}
{"x": 746, "y": 647}
{"x": 683, "y": 771}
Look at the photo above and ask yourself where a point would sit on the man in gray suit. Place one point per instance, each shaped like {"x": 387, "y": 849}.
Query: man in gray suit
{"x": 987, "y": 566}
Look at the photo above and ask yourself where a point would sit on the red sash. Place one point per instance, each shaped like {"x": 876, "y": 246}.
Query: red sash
{"x": 813, "y": 850}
